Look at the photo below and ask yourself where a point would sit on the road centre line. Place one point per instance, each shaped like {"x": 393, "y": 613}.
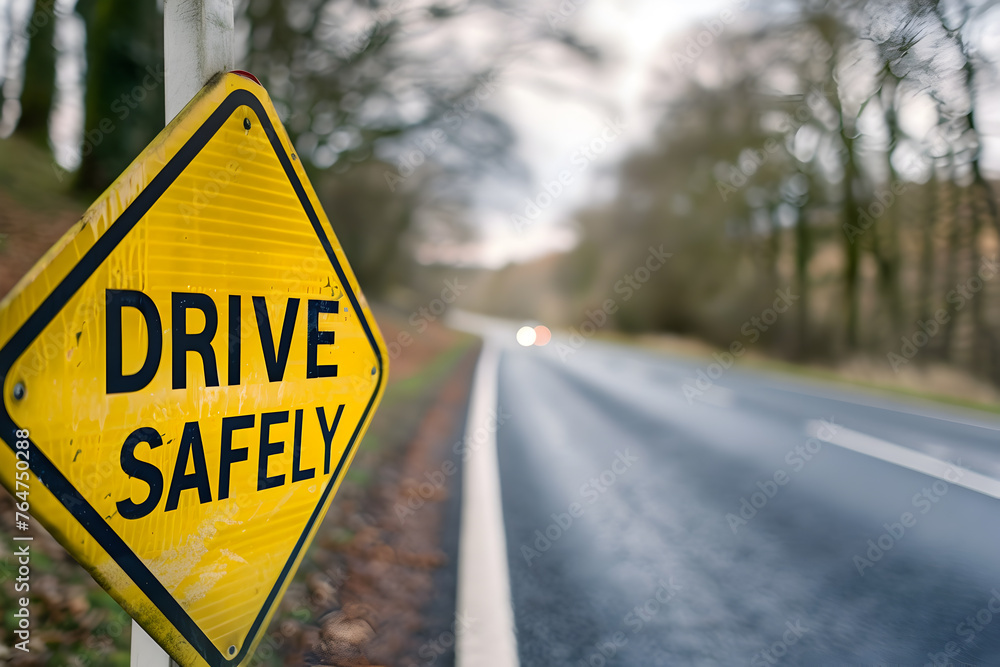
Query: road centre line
{"x": 904, "y": 457}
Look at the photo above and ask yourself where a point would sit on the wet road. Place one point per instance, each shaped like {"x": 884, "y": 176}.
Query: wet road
{"x": 757, "y": 520}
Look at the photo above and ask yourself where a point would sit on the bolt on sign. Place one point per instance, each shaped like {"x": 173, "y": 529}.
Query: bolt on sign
{"x": 195, "y": 366}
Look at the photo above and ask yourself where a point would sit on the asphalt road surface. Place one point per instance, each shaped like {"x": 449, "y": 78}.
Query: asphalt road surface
{"x": 764, "y": 520}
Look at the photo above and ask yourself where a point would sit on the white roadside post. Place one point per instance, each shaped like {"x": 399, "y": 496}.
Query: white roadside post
{"x": 197, "y": 45}
{"x": 146, "y": 652}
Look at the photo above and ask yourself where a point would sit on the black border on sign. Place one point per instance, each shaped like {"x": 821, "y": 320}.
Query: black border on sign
{"x": 56, "y": 482}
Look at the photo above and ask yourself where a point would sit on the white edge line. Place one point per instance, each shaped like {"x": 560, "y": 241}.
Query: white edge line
{"x": 483, "y": 608}
{"x": 904, "y": 457}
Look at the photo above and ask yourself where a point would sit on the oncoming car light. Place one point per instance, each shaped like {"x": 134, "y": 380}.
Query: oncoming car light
{"x": 527, "y": 335}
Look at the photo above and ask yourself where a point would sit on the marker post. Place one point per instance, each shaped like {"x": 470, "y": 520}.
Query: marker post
{"x": 146, "y": 652}
{"x": 197, "y": 45}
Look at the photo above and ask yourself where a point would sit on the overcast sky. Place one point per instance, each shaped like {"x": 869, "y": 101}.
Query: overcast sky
{"x": 564, "y": 133}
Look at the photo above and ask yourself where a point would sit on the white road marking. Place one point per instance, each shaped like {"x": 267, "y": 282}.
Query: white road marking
{"x": 484, "y": 603}
{"x": 904, "y": 457}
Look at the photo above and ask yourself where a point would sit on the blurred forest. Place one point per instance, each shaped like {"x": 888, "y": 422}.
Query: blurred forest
{"x": 834, "y": 152}
{"x": 832, "y": 149}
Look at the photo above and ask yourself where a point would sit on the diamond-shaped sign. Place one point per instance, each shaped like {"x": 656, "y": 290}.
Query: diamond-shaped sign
{"x": 188, "y": 373}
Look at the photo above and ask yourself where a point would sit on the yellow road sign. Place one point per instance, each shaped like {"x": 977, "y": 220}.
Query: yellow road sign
{"x": 194, "y": 365}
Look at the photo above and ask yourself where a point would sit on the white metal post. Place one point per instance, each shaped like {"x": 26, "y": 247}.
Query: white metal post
{"x": 146, "y": 652}
{"x": 197, "y": 45}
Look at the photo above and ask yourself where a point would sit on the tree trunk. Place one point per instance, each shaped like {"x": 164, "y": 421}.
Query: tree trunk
{"x": 852, "y": 251}
{"x": 950, "y": 209}
{"x": 39, "y": 75}
{"x": 982, "y": 356}
{"x": 925, "y": 304}
{"x": 886, "y": 238}
{"x": 123, "y": 101}
{"x": 803, "y": 251}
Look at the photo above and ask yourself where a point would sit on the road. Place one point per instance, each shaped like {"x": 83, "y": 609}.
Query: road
{"x": 769, "y": 520}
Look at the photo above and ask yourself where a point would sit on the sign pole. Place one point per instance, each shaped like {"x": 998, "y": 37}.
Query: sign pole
{"x": 146, "y": 652}
{"x": 197, "y": 45}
